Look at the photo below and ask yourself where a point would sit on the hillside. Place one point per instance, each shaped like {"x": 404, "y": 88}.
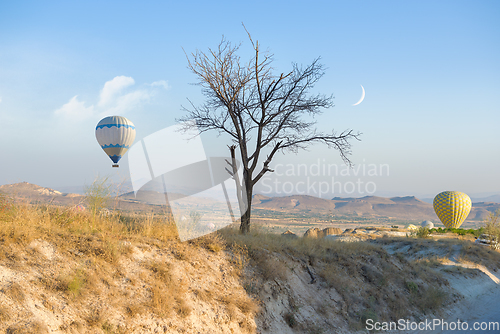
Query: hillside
{"x": 63, "y": 271}
{"x": 67, "y": 271}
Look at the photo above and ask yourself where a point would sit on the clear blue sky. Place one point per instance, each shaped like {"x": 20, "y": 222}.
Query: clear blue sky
{"x": 430, "y": 69}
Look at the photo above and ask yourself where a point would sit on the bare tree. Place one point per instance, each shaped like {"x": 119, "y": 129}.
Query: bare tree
{"x": 260, "y": 111}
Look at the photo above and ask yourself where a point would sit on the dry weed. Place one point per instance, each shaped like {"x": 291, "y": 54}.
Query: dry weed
{"x": 431, "y": 299}
{"x": 28, "y": 327}
{"x": 95, "y": 315}
{"x": 5, "y": 313}
{"x": 72, "y": 283}
{"x": 161, "y": 301}
{"x": 134, "y": 308}
{"x": 247, "y": 326}
{"x": 182, "y": 307}
{"x": 238, "y": 257}
{"x": 479, "y": 254}
{"x": 167, "y": 294}
{"x": 15, "y": 292}
{"x": 74, "y": 326}
{"x": 462, "y": 271}
{"x": 213, "y": 242}
{"x": 205, "y": 295}
{"x": 432, "y": 261}
{"x": 241, "y": 302}
{"x": 270, "y": 266}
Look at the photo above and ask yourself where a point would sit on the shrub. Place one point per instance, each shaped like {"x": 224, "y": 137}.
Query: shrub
{"x": 5, "y": 204}
{"x": 431, "y": 299}
{"x": 98, "y": 194}
{"x": 368, "y": 314}
{"x": 74, "y": 283}
{"x": 290, "y": 319}
{"x": 492, "y": 225}
{"x": 412, "y": 287}
{"x": 422, "y": 232}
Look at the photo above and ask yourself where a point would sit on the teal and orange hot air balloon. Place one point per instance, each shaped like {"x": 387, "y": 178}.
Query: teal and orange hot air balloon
{"x": 452, "y": 208}
{"x": 115, "y": 134}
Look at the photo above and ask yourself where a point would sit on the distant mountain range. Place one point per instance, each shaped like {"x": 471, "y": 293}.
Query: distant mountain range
{"x": 157, "y": 187}
{"x": 34, "y": 193}
{"x": 407, "y": 208}
{"x": 143, "y": 201}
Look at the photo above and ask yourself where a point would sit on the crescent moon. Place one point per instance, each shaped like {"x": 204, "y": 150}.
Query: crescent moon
{"x": 362, "y": 97}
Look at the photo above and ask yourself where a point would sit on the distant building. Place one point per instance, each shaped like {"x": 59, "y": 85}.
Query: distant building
{"x": 428, "y": 224}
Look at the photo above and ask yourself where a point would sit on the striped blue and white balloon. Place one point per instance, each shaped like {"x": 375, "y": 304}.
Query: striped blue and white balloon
{"x": 115, "y": 134}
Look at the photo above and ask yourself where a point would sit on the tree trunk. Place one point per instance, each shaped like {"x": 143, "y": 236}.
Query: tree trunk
{"x": 245, "y": 218}
{"x": 245, "y": 222}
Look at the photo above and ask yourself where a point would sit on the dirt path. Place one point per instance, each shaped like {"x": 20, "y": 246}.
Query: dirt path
{"x": 481, "y": 302}
{"x": 483, "y": 309}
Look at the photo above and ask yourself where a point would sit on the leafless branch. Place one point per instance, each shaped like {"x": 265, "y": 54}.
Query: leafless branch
{"x": 259, "y": 109}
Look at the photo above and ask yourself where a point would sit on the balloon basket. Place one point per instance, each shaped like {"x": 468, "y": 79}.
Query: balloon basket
{"x": 115, "y": 166}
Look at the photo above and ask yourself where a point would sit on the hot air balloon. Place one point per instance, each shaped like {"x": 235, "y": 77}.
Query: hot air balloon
{"x": 79, "y": 208}
{"x": 452, "y": 207}
{"x": 115, "y": 134}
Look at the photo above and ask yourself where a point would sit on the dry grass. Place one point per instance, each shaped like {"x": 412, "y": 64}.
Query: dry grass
{"x": 433, "y": 261}
{"x": 15, "y": 292}
{"x": 483, "y": 255}
{"x": 212, "y": 242}
{"x": 271, "y": 267}
{"x": 259, "y": 240}
{"x": 24, "y": 223}
{"x": 430, "y": 299}
{"x": 161, "y": 301}
{"x": 134, "y": 309}
{"x": 28, "y": 327}
{"x": 167, "y": 294}
{"x": 435, "y": 251}
{"x": 95, "y": 315}
{"x": 243, "y": 302}
{"x": 5, "y": 313}
{"x": 74, "y": 283}
{"x": 462, "y": 271}
{"x": 238, "y": 257}
{"x": 205, "y": 295}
